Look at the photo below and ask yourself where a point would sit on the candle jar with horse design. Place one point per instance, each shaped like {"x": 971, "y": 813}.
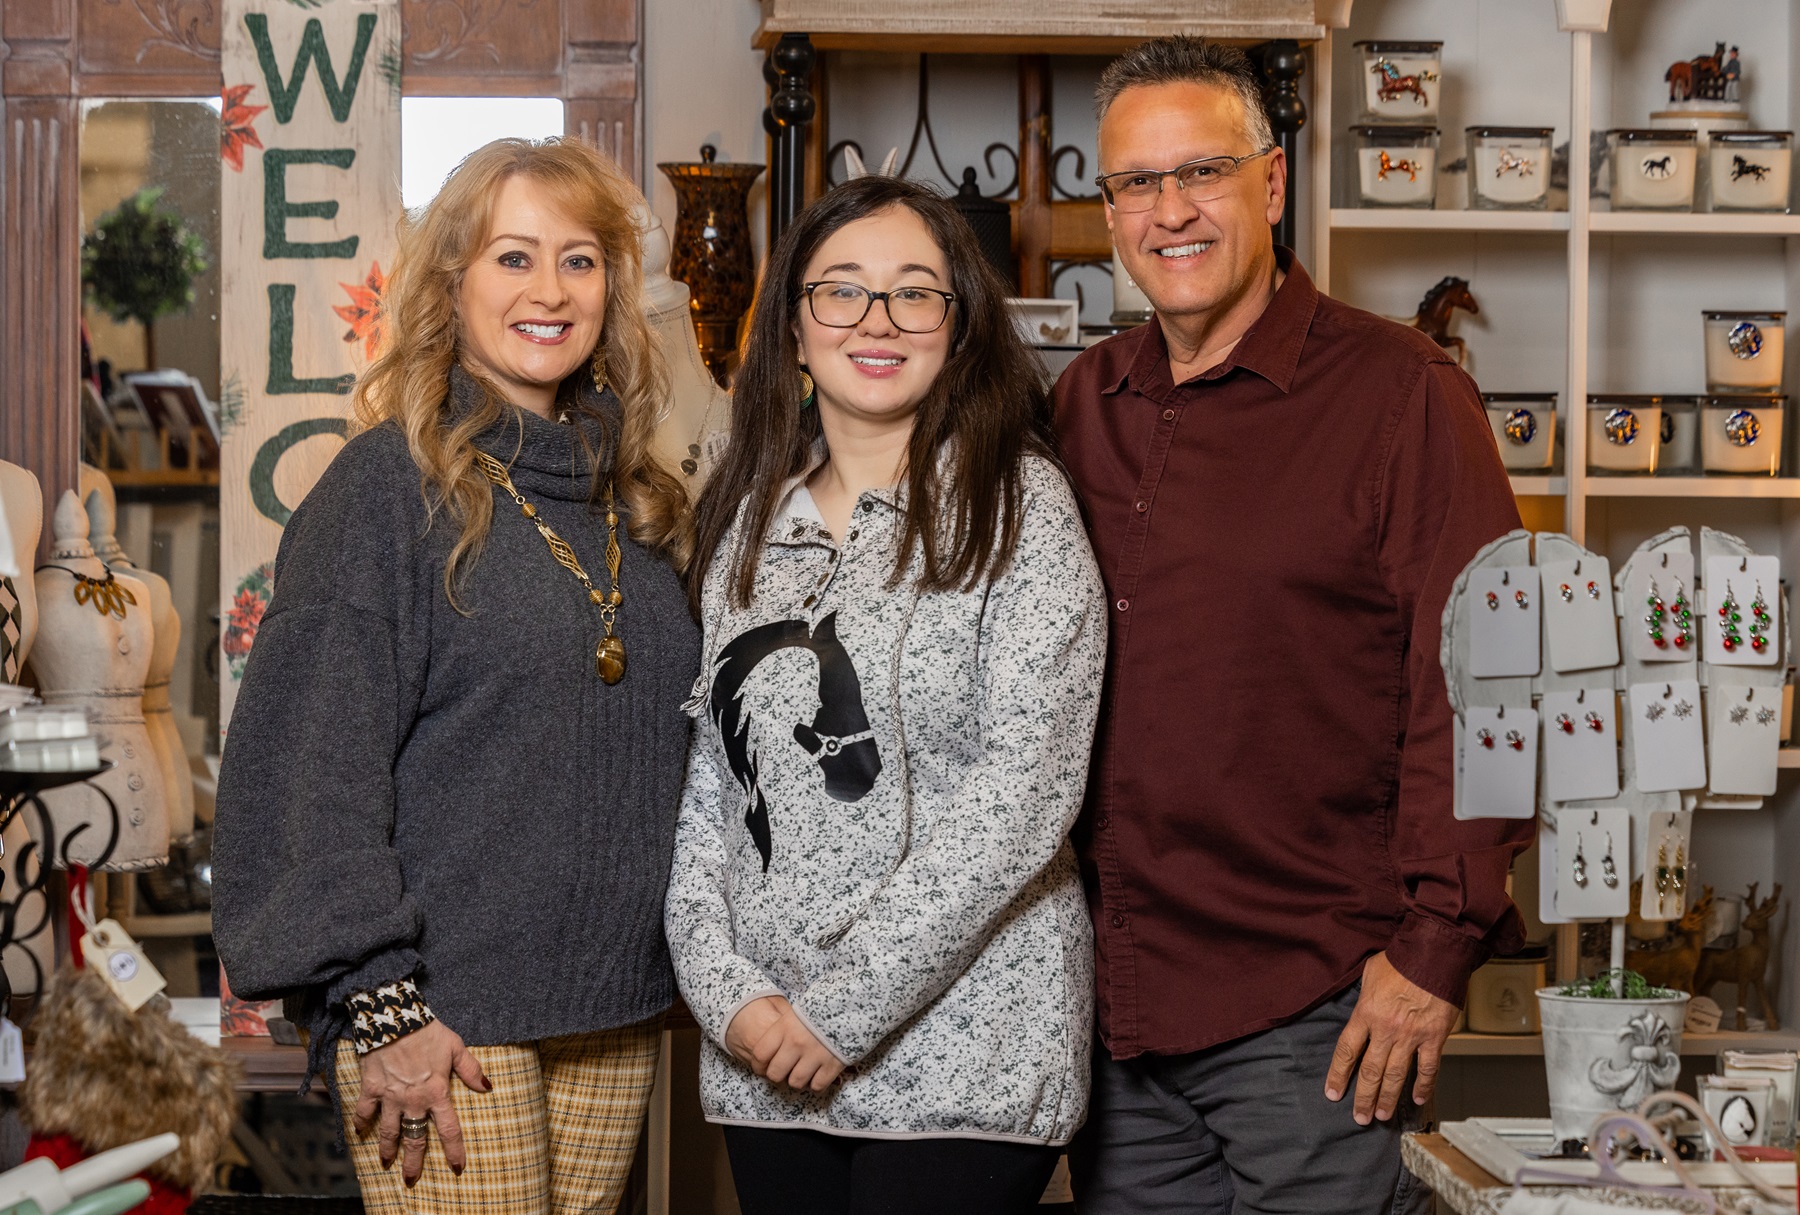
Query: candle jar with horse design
{"x": 1401, "y": 80}
{"x": 1509, "y": 168}
{"x": 1397, "y": 166}
{"x": 1742, "y": 434}
{"x": 1744, "y": 350}
{"x": 1778, "y": 1066}
{"x": 1524, "y": 426}
{"x": 1624, "y": 434}
{"x": 1652, "y": 170}
{"x": 1750, "y": 170}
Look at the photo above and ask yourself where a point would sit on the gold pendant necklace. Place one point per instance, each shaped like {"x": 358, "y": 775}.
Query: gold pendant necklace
{"x": 609, "y": 655}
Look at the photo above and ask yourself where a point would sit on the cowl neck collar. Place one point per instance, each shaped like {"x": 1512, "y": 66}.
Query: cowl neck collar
{"x": 545, "y": 458}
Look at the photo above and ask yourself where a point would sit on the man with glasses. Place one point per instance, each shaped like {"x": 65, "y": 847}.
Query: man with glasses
{"x": 1281, "y": 490}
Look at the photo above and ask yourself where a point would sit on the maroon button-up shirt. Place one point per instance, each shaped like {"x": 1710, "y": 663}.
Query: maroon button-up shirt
{"x": 1270, "y": 800}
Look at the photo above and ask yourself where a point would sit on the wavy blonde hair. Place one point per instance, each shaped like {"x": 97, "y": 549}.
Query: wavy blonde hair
{"x": 409, "y": 381}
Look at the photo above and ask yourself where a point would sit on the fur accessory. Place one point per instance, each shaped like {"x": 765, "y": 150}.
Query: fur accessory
{"x": 106, "y": 1077}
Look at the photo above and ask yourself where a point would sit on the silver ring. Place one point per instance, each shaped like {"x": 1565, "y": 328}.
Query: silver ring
{"x": 415, "y": 1128}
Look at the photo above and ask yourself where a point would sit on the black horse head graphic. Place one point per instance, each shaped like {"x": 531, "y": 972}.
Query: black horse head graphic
{"x": 838, "y": 736}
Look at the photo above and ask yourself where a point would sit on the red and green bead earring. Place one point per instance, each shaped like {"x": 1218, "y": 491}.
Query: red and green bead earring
{"x": 1657, "y": 618}
{"x": 1759, "y": 621}
{"x": 1730, "y": 637}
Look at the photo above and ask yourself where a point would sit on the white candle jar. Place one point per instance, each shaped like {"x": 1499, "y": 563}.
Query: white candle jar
{"x": 1624, "y": 434}
{"x": 1742, "y": 435}
{"x": 1524, "y": 426}
{"x": 1750, "y": 170}
{"x": 1509, "y": 168}
{"x": 1401, "y": 80}
{"x": 1652, "y": 170}
{"x": 1744, "y": 350}
{"x": 1397, "y": 166}
{"x": 1680, "y": 436}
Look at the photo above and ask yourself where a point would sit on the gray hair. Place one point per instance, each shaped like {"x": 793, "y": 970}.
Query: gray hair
{"x": 1183, "y": 59}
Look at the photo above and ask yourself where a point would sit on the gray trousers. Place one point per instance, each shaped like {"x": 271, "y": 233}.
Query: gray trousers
{"x": 1240, "y": 1129}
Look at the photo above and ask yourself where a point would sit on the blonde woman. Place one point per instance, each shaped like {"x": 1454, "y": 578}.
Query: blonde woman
{"x": 448, "y": 801}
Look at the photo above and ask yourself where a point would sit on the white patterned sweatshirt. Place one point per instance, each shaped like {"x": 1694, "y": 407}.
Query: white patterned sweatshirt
{"x": 875, "y": 826}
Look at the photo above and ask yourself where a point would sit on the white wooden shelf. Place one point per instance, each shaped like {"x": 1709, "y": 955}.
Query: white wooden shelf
{"x": 1539, "y": 486}
{"x": 1692, "y": 1044}
{"x": 1403, "y": 220}
{"x": 1692, "y": 487}
{"x": 1705, "y": 223}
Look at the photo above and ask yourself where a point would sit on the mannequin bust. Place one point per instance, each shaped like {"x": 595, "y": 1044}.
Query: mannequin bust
{"x": 165, "y": 626}
{"x": 22, "y": 521}
{"x": 22, "y": 514}
{"x": 94, "y": 651}
{"x": 694, "y": 426}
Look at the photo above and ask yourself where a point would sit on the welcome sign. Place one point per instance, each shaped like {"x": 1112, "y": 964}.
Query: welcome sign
{"x": 310, "y": 143}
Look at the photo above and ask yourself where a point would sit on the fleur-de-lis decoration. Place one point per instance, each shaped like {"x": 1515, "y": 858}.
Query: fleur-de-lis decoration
{"x": 1650, "y": 1064}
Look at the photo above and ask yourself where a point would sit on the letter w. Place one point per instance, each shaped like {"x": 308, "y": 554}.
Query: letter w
{"x": 312, "y": 46}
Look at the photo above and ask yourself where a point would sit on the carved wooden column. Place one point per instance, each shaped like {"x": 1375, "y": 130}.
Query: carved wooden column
{"x": 1283, "y": 63}
{"x": 603, "y": 100}
{"x": 40, "y": 281}
{"x": 1034, "y": 176}
{"x": 791, "y": 108}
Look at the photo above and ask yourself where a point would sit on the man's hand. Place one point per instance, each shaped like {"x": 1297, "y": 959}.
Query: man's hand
{"x": 1394, "y": 1020}
{"x": 410, "y": 1077}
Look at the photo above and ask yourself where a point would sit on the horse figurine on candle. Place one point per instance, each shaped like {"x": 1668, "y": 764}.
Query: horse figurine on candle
{"x": 1388, "y": 164}
{"x": 1394, "y": 85}
{"x": 1439, "y": 305}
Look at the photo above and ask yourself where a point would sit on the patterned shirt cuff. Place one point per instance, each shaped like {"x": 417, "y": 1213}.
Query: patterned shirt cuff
{"x": 386, "y": 1014}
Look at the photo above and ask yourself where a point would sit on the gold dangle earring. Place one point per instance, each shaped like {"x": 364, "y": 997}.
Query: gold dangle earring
{"x": 806, "y": 389}
{"x": 597, "y": 368}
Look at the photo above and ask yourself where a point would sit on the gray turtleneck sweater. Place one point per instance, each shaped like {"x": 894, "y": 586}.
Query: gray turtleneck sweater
{"x": 410, "y": 791}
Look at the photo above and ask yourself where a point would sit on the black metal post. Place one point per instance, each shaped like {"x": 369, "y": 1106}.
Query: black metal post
{"x": 791, "y": 107}
{"x": 1283, "y": 63}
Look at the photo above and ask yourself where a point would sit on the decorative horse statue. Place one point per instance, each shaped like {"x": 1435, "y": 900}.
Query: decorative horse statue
{"x": 1702, "y": 77}
{"x": 1747, "y": 965}
{"x": 1674, "y": 965}
{"x": 1433, "y": 317}
{"x": 838, "y": 737}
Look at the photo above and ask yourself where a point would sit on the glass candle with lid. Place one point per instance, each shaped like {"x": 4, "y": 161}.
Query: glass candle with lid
{"x": 1742, "y": 434}
{"x": 1750, "y": 170}
{"x": 1680, "y": 436}
{"x": 1401, "y": 80}
{"x": 1624, "y": 433}
{"x": 1652, "y": 170}
{"x": 1509, "y": 168}
{"x": 1524, "y": 426}
{"x": 1744, "y": 350}
{"x": 1396, "y": 166}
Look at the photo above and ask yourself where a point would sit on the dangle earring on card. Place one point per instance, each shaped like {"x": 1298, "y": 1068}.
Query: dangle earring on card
{"x": 1663, "y": 892}
{"x": 1744, "y": 625}
{"x": 1659, "y": 607}
{"x": 1588, "y": 886}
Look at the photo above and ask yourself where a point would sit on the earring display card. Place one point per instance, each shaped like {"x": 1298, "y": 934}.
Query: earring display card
{"x": 1499, "y": 767}
{"x": 1659, "y": 608}
{"x": 1503, "y": 622}
{"x": 1743, "y": 600}
{"x": 1670, "y": 747}
{"x": 1578, "y": 614}
{"x": 1581, "y": 745}
{"x": 1593, "y": 879}
{"x": 1743, "y": 739}
{"x": 1667, "y": 853}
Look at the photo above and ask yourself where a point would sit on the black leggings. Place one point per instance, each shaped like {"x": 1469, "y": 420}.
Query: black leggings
{"x": 792, "y": 1171}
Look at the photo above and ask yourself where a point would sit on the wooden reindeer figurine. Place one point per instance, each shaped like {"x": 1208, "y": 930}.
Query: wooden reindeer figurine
{"x": 1747, "y": 965}
{"x": 1674, "y": 966}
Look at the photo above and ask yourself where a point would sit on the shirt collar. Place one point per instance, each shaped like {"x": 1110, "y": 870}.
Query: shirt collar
{"x": 1271, "y": 348}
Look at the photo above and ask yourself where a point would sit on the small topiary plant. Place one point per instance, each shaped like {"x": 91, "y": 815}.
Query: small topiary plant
{"x": 1616, "y": 985}
{"x": 140, "y": 262}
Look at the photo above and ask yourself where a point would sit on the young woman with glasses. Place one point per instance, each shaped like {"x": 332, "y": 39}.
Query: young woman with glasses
{"x": 875, "y": 913}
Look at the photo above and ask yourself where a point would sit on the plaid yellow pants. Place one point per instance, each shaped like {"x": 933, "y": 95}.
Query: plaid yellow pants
{"x": 555, "y": 1136}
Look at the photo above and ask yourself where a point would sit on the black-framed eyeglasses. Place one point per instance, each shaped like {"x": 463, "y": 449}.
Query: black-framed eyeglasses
{"x": 839, "y": 305}
{"x": 1200, "y": 180}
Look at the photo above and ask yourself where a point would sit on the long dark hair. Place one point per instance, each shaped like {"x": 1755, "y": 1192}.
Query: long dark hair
{"x": 988, "y": 408}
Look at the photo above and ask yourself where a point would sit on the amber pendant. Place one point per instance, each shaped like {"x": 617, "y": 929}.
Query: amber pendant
{"x": 609, "y": 659}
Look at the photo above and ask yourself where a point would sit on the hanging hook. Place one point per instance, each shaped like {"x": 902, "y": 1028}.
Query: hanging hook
{"x": 1749, "y": 694}
{"x": 1665, "y": 563}
{"x": 1501, "y": 715}
{"x": 1581, "y": 697}
{"x": 1668, "y": 690}
{"x": 1506, "y": 578}
{"x": 1578, "y": 567}
{"x": 1595, "y": 820}
{"x": 1743, "y": 565}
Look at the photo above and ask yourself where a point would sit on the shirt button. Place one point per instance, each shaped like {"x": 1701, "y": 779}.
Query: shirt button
{"x": 1142, "y": 507}
{"x": 823, "y": 579}
{"x": 1103, "y": 822}
{"x": 810, "y": 600}
{"x": 1118, "y": 921}
{"x": 1168, "y": 415}
{"x": 1123, "y": 605}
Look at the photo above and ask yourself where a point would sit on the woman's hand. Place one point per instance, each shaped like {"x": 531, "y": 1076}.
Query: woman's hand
{"x": 789, "y": 1053}
{"x": 752, "y": 1021}
{"x": 410, "y": 1077}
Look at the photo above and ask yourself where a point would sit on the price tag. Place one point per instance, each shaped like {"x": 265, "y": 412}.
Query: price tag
{"x": 1503, "y": 622}
{"x": 115, "y": 957}
{"x": 1669, "y": 747}
{"x": 1581, "y": 747}
{"x": 1578, "y": 614}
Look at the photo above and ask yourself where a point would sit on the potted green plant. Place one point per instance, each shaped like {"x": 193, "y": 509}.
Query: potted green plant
{"x": 1609, "y": 1042}
{"x": 140, "y": 262}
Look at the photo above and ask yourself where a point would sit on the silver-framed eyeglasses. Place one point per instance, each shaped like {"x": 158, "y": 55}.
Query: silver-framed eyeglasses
{"x": 838, "y": 305}
{"x": 1200, "y": 180}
